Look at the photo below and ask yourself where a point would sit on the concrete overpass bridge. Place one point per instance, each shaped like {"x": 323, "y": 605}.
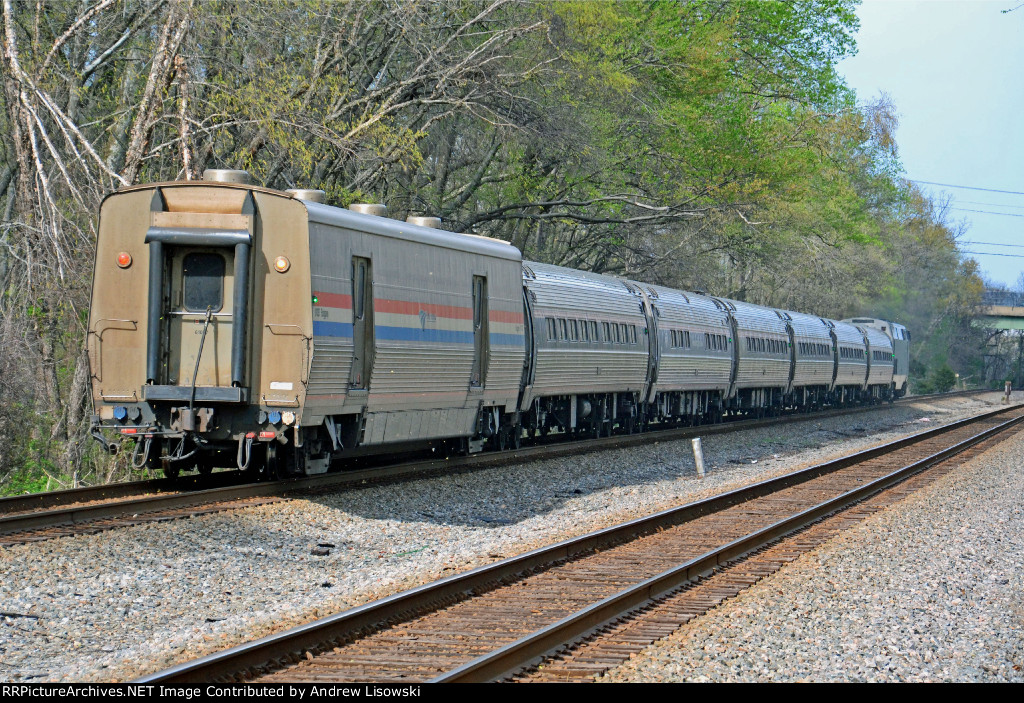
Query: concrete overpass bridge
{"x": 1003, "y": 310}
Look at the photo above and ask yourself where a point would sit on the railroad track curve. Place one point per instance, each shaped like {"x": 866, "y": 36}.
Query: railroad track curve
{"x": 553, "y": 604}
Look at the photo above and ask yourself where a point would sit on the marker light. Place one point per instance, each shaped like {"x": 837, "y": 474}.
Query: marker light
{"x": 281, "y": 264}
{"x": 124, "y": 259}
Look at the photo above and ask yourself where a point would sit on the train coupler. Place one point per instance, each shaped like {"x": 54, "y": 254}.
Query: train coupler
{"x": 108, "y": 446}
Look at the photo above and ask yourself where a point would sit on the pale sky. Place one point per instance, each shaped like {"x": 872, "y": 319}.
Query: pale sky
{"x": 955, "y": 71}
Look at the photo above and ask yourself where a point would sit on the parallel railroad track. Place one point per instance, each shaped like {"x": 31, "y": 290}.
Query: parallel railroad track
{"x": 40, "y": 517}
{"x": 588, "y": 602}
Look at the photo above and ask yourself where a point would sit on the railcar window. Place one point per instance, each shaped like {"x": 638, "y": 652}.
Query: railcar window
{"x": 593, "y": 331}
{"x": 563, "y": 331}
{"x": 203, "y": 282}
{"x": 632, "y": 334}
{"x": 584, "y": 331}
{"x": 607, "y": 332}
{"x": 478, "y": 297}
{"x": 574, "y": 330}
{"x": 358, "y": 287}
{"x": 552, "y": 332}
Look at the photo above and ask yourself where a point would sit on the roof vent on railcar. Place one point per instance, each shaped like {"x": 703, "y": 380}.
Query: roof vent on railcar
{"x": 313, "y": 196}
{"x": 227, "y": 175}
{"x": 432, "y": 222}
{"x": 376, "y": 209}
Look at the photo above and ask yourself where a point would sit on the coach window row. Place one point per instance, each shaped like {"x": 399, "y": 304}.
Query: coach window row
{"x": 680, "y": 339}
{"x": 881, "y": 356}
{"x": 851, "y": 353}
{"x": 565, "y": 330}
{"x": 815, "y": 349}
{"x": 716, "y": 342}
{"x": 770, "y": 346}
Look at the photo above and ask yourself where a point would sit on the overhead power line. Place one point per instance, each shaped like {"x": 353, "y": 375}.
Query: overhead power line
{"x": 952, "y": 185}
{"x": 988, "y": 212}
{"x": 1005, "y": 256}
{"x": 973, "y": 202}
{"x": 991, "y": 244}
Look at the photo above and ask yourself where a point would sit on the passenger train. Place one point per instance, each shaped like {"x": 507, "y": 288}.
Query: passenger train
{"x": 235, "y": 325}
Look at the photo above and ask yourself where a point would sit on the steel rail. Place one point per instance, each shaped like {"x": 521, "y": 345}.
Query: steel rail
{"x": 49, "y": 500}
{"x": 76, "y": 515}
{"x": 267, "y": 651}
{"x": 519, "y": 654}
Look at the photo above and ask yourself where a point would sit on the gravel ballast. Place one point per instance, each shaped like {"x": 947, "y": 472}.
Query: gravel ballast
{"x": 931, "y": 589}
{"x": 119, "y": 604}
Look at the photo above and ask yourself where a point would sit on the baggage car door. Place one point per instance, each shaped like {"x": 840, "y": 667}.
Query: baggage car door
{"x": 201, "y": 282}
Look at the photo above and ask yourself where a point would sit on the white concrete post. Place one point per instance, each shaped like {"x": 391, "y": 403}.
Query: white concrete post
{"x": 698, "y": 457}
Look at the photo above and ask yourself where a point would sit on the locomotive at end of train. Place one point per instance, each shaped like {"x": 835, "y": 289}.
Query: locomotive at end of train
{"x": 239, "y": 326}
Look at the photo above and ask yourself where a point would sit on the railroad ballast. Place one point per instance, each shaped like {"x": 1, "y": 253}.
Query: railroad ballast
{"x": 234, "y": 325}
